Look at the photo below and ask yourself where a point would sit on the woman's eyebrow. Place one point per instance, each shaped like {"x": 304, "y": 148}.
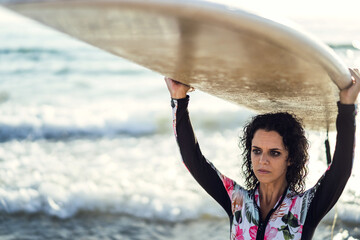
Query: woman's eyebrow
{"x": 279, "y": 149}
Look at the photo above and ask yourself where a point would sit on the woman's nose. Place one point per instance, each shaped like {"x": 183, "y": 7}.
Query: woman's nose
{"x": 263, "y": 159}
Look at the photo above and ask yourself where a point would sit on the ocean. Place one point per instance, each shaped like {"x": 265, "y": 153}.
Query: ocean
{"x": 87, "y": 149}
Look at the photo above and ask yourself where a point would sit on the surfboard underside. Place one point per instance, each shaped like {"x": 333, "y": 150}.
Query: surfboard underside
{"x": 233, "y": 55}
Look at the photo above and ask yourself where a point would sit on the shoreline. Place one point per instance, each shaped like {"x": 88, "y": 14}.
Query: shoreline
{"x": 88, "y": 225}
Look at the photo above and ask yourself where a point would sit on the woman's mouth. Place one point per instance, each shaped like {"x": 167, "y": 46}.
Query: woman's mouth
{"x": 263, "y": 171}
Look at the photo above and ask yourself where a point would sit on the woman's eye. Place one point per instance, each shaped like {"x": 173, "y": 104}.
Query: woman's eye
{"x": 275, "y": 153}
{"x": 256, "y": 151}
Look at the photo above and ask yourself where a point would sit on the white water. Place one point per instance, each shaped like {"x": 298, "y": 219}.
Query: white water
{"x": 81, "y": 130}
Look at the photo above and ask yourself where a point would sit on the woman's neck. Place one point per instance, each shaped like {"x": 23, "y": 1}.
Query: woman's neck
{"x": 270, "y": 193}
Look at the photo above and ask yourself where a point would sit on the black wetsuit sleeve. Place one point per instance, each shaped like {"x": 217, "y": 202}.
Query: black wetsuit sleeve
{"x": 202, "y": 170}
{"x": 331, "y": 185}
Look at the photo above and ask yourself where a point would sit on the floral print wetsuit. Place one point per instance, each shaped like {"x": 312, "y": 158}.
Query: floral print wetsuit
{"x": 295, "y": 216}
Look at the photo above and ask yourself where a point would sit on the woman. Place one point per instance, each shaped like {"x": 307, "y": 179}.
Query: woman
{"x": 275, "y": 153}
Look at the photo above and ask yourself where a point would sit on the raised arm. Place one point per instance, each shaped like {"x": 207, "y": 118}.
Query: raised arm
{"x": 202, "y": 170}
{"x": 331, "y": 185}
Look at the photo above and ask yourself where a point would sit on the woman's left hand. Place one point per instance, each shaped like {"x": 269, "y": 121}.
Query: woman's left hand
{"x": 349, "y": 95}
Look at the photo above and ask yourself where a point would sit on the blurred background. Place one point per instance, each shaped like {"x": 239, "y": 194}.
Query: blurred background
{"x": 86, "y": 143}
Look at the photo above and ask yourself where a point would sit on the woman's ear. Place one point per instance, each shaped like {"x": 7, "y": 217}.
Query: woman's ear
{"x": 288, "y": 162}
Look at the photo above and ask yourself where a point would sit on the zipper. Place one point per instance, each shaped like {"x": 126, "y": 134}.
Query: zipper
{"x": 260, "y": 234}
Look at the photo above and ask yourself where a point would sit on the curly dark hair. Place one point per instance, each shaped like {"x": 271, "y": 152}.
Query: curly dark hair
{"x": 295, "y": 142}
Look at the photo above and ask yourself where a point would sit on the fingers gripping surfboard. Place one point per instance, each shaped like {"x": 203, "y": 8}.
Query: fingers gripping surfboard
{"x": 233, "y": 54}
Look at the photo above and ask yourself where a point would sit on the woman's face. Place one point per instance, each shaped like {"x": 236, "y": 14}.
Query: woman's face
{"x": 269, "y": 157}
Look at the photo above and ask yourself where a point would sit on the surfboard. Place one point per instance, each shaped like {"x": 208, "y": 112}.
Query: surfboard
{"x": 252, "y": 60}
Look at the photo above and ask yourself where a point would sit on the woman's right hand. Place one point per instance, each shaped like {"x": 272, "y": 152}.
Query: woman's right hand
{"x": 349, "y": 95}
{"x": 177, "y": 90}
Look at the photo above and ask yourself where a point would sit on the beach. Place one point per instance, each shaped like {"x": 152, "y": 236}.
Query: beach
{"x": 87, "y": 148}
{"x": 125, "y": 227}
